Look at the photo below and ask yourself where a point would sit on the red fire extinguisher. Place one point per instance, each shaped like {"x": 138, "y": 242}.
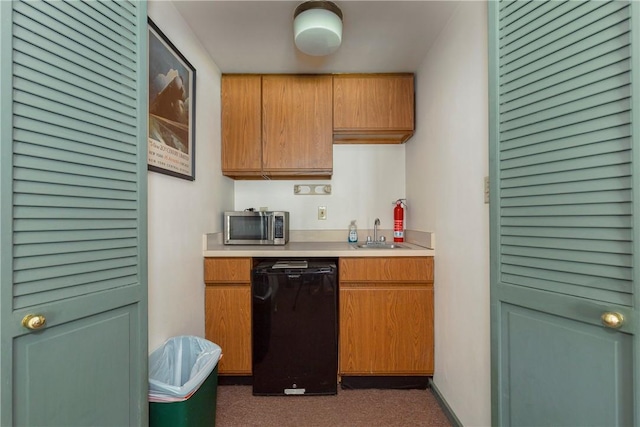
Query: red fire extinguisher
{"x": 398, "y": 221}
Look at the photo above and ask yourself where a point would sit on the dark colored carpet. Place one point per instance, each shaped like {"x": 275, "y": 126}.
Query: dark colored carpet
{"x": 237, "y": 406}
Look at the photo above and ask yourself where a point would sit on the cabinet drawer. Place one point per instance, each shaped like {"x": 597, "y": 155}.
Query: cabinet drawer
{"x": 397, "y": 270}
{"x": 227, "y": 270}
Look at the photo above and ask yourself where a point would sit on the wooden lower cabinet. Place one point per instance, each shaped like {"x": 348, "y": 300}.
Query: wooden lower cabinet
{"x": 386, "y": 316}
{"x": 385, "y": 313}
{"x": 386, "y": 330}
{"x": 228, "y": 324}
{"x": 228, "y": 312}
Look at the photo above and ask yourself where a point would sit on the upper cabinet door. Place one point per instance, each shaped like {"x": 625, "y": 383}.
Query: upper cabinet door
{"x": 373, "y": 108}
{"x": 297, "y": 125}
{"x": 241, "y": 125}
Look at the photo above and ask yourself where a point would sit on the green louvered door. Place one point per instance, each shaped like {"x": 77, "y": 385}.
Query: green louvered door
{"x": 564, "y": 202}
{"x": 73, "y": 214}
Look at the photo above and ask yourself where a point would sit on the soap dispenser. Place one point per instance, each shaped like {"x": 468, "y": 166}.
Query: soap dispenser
{"x": 353, "y": 232}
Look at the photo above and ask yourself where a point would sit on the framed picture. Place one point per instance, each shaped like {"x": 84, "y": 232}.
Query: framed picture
{"x": 172, "y": 101}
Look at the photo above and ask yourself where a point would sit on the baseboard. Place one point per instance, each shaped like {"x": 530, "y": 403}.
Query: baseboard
{"x": 384, "y": 382}
{"x": 444, "y": 405}
{"x": 235, "y": 380}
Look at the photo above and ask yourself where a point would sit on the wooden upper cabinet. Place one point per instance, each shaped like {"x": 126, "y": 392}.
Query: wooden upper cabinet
{"x": 373, "y": 108}
{"x": 241, "y": 125}
{"x": 277, "y": 126}
{"x": 297, "y": 125}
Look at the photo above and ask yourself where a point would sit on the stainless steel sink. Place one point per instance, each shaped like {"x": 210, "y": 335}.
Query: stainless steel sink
{"x": 379, "y": 245}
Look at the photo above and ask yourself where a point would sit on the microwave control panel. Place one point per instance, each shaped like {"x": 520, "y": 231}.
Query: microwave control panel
{"x": 278, "y": 229}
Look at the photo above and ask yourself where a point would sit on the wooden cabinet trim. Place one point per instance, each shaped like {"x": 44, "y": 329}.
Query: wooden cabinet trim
{"x": 372, "y": 137}
{"x": 386, "y": 285}
{"x": 228, "y": 285}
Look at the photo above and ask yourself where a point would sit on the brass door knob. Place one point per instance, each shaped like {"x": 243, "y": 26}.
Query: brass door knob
{"x": 612, "y": 319}
{"x": 33, "y": 321}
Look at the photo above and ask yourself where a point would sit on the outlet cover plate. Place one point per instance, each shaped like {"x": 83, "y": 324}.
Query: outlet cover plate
{"x": 322, "y": 212}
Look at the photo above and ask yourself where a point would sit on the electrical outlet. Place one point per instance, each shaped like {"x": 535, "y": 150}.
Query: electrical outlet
{"x": 486, "y": 189}
{"x": 322, "y": 212}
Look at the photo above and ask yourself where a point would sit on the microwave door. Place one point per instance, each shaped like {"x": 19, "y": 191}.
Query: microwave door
{"x": 249, "y": 229}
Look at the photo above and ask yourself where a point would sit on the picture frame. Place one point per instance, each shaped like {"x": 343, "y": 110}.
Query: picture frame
{"x": 172, "y": 102}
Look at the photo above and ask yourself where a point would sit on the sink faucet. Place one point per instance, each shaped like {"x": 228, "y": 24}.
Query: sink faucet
{"x": 376, "y": 223}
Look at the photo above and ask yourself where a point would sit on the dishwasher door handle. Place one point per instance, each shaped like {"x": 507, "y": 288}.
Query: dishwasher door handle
{"x": 266, "y": 296}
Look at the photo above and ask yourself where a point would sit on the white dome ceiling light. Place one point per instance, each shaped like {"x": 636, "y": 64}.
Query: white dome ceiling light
{"x": 317, "y": 27}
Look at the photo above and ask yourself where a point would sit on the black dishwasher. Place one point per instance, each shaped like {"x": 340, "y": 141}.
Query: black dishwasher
{"x": 294, "y": 327}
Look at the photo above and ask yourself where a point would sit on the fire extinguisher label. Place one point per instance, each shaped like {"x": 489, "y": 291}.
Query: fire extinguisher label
{"x": 397, "y": 229}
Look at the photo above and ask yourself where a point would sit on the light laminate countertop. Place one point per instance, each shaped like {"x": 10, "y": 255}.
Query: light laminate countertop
{"x": 214, "y": 248}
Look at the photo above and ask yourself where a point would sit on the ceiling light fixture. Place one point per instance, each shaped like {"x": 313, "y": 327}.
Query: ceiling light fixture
{"x": 317, "y": 27}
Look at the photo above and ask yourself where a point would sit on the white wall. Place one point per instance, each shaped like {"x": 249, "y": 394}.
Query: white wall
{"x": 181, "y": 211}
{"x": 446, "y": 163}
{"x": 365, "y": 180}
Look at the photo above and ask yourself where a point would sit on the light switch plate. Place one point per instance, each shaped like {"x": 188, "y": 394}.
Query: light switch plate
{"x": 486, "y": 189}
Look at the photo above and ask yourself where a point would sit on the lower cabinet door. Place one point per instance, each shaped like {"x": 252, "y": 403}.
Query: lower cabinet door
{"x": 386, "y": 330}
{"x": 228, "y": 324}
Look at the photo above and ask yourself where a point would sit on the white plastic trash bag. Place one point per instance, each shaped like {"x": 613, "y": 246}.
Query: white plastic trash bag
{"x": 178, "y": 368}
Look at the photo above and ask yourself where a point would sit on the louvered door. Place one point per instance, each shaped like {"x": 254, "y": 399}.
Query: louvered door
{"x": 73, "y": 182}
{"x": 563, "y": 204}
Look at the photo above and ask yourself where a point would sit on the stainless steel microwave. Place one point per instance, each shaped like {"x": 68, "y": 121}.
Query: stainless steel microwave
{"x": 256, "y": 228}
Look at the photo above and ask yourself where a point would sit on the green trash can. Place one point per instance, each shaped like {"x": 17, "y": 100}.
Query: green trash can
{"x": 183, "y": 381}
